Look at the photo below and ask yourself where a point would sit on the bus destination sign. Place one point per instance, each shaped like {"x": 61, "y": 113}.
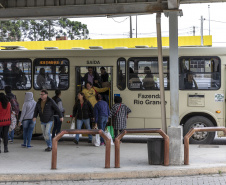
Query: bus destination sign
{"x": 51, "y": 62}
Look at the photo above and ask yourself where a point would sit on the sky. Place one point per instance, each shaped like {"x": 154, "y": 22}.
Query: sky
{"x": 119, "y": 27}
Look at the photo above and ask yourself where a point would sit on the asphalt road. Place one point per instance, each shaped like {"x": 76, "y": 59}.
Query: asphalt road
{"x": 216, "y": 179}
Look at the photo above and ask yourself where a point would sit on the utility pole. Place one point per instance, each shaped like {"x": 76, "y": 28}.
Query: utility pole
{"x": 34, "y": 31}
{"x": 49, "y": 29}
{"x": 193, "y": 30}
{"x": 84, "y": 34}
{"x": 136, "y": 26}
{"x": 209, "y": 18}
{"x": 131, "y": 32}
{"x": 201, "y": 31}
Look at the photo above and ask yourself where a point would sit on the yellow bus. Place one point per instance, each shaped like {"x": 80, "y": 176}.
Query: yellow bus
{"x": 133, "y": 75}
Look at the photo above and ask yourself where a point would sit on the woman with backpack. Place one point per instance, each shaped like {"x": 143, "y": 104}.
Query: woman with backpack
{"x": 5, "y": 115}
{"x": 57, "y": 122}
{"x": 15, "y": 109}
{"x": 26, "y": 119}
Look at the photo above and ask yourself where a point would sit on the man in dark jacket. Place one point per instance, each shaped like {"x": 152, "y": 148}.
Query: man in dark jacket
{"x": 92, "y": 77}
{"x": 46, "y": 108}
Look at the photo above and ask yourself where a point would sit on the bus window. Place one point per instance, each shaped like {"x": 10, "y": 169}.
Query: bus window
{"x": 15, "y": 73}
{"x": 121, "y": 74}
{"x": 143, "y": 74}
{"x": 102, "y": 75}
{"x": 51, "y": 73}
{"x": 199, "y": 73}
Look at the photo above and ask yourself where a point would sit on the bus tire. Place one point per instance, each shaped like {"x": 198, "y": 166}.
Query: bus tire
{"x": 199, "y": 137}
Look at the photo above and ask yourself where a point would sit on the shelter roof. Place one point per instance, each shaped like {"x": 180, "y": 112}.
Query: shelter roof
{"x": 43, "y": 9}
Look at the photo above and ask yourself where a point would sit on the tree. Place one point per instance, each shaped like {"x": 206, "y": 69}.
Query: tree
{"x": 41, "y": 30}
{"x": 10, "y": 31}
{"x": 73, "y": 29}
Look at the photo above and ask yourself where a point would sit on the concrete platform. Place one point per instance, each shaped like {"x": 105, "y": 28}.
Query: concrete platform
{"x": 84, "y": 161}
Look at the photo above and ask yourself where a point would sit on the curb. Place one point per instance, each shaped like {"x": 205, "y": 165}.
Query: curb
{"x": 110, "y": 175}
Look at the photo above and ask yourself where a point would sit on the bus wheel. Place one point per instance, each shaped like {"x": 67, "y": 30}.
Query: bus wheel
{"x": 199, "y": 137}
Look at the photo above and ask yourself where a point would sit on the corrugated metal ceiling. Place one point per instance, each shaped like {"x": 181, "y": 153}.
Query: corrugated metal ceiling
{"x": 21, "y": 9}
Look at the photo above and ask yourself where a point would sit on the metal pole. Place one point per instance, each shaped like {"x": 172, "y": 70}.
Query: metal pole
{"x": 136, "y": 26}
{"x": 174, "y": 78}
{"x": 160, "y": 64}
{"x": 201, "y": 31}
{"x": 193, "y": 30}
{"x": 130, "y": 20}
{"x": 209, "y": 18}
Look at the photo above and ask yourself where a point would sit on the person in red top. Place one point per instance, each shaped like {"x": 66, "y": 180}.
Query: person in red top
{"x": 5, "y": 115}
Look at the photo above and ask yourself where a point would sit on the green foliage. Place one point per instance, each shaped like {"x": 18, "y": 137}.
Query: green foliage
{"x": 41, "y": 30}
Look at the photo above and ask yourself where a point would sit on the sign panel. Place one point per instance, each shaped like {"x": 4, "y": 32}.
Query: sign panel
{"x": 196, "y": 100}
{"x": 219, "y": 97}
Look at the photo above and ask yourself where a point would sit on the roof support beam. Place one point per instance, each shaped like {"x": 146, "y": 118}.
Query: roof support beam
{"x": 173, "y": 4}
{"x": 82, "y": 10}
{"x": 200, "y": 1}
{"x": 51, "y": 9}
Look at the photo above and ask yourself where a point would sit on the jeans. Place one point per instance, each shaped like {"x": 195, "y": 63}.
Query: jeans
{"x": 79, "y": 126}
{"x": 102, "y": 121}
{"x": 57, "y": 126}
{"x": 11, "y": 135}
{"x": 4, "y": 133}
{"x": 46, "y": 128}
{"x": 28, "y": 127}
{"x": 106, "y": 98}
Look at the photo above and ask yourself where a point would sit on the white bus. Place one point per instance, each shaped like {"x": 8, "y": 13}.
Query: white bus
{"x": 133, "y": 75}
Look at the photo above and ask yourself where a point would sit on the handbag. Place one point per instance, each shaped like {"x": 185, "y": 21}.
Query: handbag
{"x": 96, "y": 140}
{"x": 114, "y": 117}
{"x": 109, "y": 136}
{"x": 111, "y": 130}
{"x": 72, "y": 126}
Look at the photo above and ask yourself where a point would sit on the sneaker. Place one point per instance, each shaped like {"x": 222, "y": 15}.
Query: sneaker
{"x": 10, "y": 141}
{"x": 75, "y": 141}
{"x": 48, "y": 149}
{"x": 101, "y": 144}
{"x": 23, "y": 145}
{"x": 89, "y": 141}
{"x": 29, "y": 146}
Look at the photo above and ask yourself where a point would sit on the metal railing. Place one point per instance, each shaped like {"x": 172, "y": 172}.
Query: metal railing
{"x": 148, "y": 130}
{"x": 83, "y": 131}
{"x": 191, "y": 132}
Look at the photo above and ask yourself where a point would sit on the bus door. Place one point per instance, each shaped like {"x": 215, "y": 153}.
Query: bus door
{"x": 102, "y": 78}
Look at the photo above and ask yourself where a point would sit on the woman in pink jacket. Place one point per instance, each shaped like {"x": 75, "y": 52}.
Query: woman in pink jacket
{"x": 5, "y": 115}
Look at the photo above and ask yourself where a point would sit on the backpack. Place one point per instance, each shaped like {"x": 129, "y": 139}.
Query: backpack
{"x": 56, "y": 100}
{"x": 15, "y": 105}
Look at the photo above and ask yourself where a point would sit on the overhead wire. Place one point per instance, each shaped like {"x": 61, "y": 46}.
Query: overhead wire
{"x": 120, "y": 21}
{"x": 216, "y": 21}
